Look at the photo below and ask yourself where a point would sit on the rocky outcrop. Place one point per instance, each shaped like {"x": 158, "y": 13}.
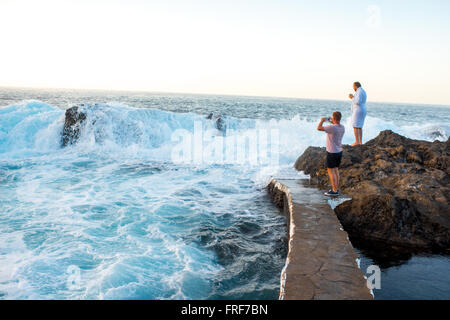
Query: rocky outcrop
{"x": 74, "y": 119}
{"x": 218, "y": 121}
{"x": 399, "y": 188}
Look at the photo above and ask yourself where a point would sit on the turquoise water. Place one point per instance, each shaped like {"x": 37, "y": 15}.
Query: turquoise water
{"x": 115, "y": 217}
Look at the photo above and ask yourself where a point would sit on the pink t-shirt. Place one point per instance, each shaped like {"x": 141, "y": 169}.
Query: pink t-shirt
{"x": 334, "y": 137}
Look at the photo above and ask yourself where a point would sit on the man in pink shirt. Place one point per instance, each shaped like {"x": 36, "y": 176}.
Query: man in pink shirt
{"x": 335, "y": 132}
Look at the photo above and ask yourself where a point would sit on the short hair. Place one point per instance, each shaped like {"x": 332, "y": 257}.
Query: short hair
{"x": 357, "y": 84}
{"x": 337, "y": 115}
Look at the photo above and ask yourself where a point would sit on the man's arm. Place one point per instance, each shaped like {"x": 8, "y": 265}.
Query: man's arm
{"x": 320, "y": 126}
{"x": 357, "y": 98}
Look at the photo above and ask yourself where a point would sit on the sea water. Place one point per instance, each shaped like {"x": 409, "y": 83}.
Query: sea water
{"x": 115, "y": 217}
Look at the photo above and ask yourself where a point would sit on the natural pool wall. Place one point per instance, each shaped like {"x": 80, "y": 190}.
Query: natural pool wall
{"x": 321, "y": 262}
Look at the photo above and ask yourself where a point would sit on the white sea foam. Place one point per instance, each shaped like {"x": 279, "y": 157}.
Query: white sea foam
{"x": 34, "y": 128}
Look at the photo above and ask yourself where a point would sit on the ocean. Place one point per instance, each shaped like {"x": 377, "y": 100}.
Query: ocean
{"x": 163, "y": 195}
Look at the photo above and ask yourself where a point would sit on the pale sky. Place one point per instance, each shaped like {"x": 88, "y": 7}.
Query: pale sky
{"x": 399, "y": 50}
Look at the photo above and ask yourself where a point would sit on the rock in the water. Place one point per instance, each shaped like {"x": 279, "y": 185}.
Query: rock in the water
{"x": 72, "y": 126}
{"x": 219, "y": 122}
{"x": 399, "y": 187}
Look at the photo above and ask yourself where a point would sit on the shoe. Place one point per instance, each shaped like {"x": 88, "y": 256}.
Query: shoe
{"x": 331, "y": 193}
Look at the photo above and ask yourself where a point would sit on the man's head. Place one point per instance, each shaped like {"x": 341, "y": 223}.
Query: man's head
{"x": 336, "y": 118}
{"x": 356, "y": 85}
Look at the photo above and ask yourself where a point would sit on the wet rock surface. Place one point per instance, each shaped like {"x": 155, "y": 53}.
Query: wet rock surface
{"x": 399, "y": 188}
{"x": 219, "y": 122}
{"x": 74, "y": 118}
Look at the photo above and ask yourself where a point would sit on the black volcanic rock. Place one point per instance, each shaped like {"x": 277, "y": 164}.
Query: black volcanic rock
{"x": 218, "y": 121}
{"x": 399, "y": 188}
{"x": 72, "y": 126}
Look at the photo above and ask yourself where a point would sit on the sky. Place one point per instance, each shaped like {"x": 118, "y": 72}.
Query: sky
{"x": 399, "y": 50}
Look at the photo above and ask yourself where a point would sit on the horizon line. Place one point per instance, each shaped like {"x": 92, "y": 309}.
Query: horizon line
{"x": 215, "y": 94}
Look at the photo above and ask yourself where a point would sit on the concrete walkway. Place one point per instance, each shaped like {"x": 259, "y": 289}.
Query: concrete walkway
{"x": 321, "y": 262}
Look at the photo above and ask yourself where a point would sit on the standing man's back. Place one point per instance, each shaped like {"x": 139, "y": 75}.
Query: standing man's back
{"x": 335, "y": 133}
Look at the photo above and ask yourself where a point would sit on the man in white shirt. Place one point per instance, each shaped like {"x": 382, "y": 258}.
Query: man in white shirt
{"x": 358, "y": 111}
{"x": 335, "y": 132}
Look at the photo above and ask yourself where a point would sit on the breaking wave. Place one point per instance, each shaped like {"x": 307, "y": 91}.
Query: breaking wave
{"x": 34, "y": 128}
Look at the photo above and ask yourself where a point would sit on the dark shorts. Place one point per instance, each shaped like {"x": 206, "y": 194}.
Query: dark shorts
{"x": 334, "y": 160}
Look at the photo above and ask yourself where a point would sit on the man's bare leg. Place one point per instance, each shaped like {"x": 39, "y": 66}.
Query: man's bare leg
{"x": 336, "y": 183}
{"x": 335, "y": 179}
{"x": 358, "y": 137}
{"x": 355, "y": 131}
{"x": 332, "y": 179}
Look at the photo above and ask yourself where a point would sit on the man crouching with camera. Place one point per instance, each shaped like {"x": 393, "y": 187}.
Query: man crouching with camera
{"x": 334, "y": 132}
